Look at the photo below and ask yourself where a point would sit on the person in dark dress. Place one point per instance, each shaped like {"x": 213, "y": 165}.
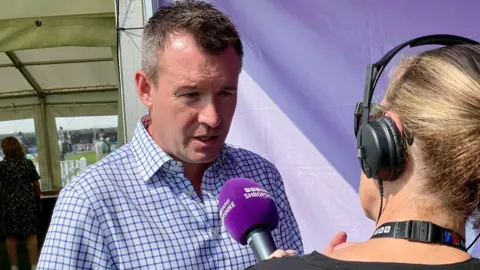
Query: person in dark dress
{"x": 430, "y": 177}
{"x": 20, "y": 200}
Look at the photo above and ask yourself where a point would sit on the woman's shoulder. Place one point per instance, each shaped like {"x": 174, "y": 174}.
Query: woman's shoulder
{"x": 297, "y": 263}
{"x": 26, "y": 162}
{"x": 17, "y": 163}
{"x": 318, "y": 261}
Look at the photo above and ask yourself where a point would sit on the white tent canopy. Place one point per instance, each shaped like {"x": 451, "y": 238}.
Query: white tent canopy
{"x": 57, "y": 59}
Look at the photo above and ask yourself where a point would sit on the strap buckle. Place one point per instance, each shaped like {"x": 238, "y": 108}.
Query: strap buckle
{"x": 420, "y": 231}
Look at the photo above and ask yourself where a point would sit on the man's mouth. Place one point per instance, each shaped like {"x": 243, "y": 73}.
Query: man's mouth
{"x": 204, "y": 138}
{"x": 207, "y": 139}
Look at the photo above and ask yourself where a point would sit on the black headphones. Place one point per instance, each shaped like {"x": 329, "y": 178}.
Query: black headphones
{"x": 379, "y": 142}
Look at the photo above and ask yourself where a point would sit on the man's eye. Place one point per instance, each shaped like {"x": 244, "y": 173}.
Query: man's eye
{"x": 192, "y": 95}
{"x": 226, "y": 93}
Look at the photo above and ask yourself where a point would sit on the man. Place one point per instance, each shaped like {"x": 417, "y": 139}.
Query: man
{"x": 153, "y": 204}
{"x": 101, "y": 149}
{"x": 62, "y": 143}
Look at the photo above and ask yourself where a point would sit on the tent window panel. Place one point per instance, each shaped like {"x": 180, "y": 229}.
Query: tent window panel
{"x": 83, "y": 141}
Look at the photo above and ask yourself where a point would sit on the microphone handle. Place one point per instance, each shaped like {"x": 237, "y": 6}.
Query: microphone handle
{"x": 261, "y": 242}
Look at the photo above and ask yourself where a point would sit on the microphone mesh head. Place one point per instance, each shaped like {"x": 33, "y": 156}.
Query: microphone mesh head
{"x": 245, "y": 205}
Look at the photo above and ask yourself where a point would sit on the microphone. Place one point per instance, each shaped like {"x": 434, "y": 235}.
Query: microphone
{"x": 249, "y": 215}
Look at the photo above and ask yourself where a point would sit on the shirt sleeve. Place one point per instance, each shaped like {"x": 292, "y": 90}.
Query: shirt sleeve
{"x": 288, "y": 234}
{"x": 74, "y": 239}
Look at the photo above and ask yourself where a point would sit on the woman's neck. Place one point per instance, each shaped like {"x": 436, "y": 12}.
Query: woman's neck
{"x": 427, "y": 209}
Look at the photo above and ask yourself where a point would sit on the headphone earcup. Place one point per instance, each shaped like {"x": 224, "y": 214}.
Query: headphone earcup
{"x": 399, "y": 163}
{"x": 383, "y": 150}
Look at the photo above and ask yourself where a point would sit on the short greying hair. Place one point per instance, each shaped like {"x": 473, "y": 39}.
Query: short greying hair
{"x": 212, "y": 30}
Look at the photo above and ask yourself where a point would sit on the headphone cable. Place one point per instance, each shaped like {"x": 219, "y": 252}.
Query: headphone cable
{"x": 471, "y": 245}
{"x": 380, "y": 185}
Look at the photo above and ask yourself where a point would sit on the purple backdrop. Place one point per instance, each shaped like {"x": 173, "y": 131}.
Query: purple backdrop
{"x": 304, "y": 71}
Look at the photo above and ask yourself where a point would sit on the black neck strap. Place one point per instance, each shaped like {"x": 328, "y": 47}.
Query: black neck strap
{"x": 420, "y": 231}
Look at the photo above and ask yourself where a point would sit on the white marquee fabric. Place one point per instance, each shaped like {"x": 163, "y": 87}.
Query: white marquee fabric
{"x": 57, "y": 59}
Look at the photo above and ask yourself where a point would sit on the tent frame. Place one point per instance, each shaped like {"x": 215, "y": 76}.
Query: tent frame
{"x": 30, "y": 25}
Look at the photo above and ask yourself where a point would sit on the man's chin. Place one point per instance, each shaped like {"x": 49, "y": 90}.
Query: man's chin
{"x": 204, "y": 156}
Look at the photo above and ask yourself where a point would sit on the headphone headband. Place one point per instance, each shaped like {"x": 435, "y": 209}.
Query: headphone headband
{"x": 445, "y": 40}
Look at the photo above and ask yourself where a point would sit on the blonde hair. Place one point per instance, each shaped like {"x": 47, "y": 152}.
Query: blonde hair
{"x": 437, "y": 97}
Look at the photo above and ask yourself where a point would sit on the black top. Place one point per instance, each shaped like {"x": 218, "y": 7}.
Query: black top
{"x": 18, "y": 206}
{"x": 315, "y": 261}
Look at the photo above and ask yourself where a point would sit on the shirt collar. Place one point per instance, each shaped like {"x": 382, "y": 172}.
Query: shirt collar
{"x": 150, "y": 157}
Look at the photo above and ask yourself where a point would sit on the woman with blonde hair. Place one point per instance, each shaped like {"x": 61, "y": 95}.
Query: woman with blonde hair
{"x": 20, "y": 197}
{"x": 420, "y": 158}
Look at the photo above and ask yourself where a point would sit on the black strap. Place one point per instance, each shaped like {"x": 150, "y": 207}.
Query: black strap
{"x": 420, "y": 231}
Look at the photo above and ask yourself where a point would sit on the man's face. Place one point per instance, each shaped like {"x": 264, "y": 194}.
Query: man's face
{"x": 193, "y": 100}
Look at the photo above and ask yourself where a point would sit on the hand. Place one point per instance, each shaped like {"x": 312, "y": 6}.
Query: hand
{"x": 279, "y": 253}
{"x": 339, "y": 241}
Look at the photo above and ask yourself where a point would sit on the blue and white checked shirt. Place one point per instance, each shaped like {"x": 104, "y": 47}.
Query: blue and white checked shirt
{"x": 135, "y": 210}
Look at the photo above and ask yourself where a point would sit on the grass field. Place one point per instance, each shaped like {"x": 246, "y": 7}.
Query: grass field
{"x": 90, "y": 156}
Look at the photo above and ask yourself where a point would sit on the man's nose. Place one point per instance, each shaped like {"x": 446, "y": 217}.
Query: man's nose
{"x": 210, "y": 116}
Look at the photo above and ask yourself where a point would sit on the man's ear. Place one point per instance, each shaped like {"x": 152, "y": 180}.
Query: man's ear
{"x": 395, "y": 120}
{"x": 144, "y": 88}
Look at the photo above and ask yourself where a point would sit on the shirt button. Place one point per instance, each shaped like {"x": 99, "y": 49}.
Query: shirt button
{"x": 214, "y": 233}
